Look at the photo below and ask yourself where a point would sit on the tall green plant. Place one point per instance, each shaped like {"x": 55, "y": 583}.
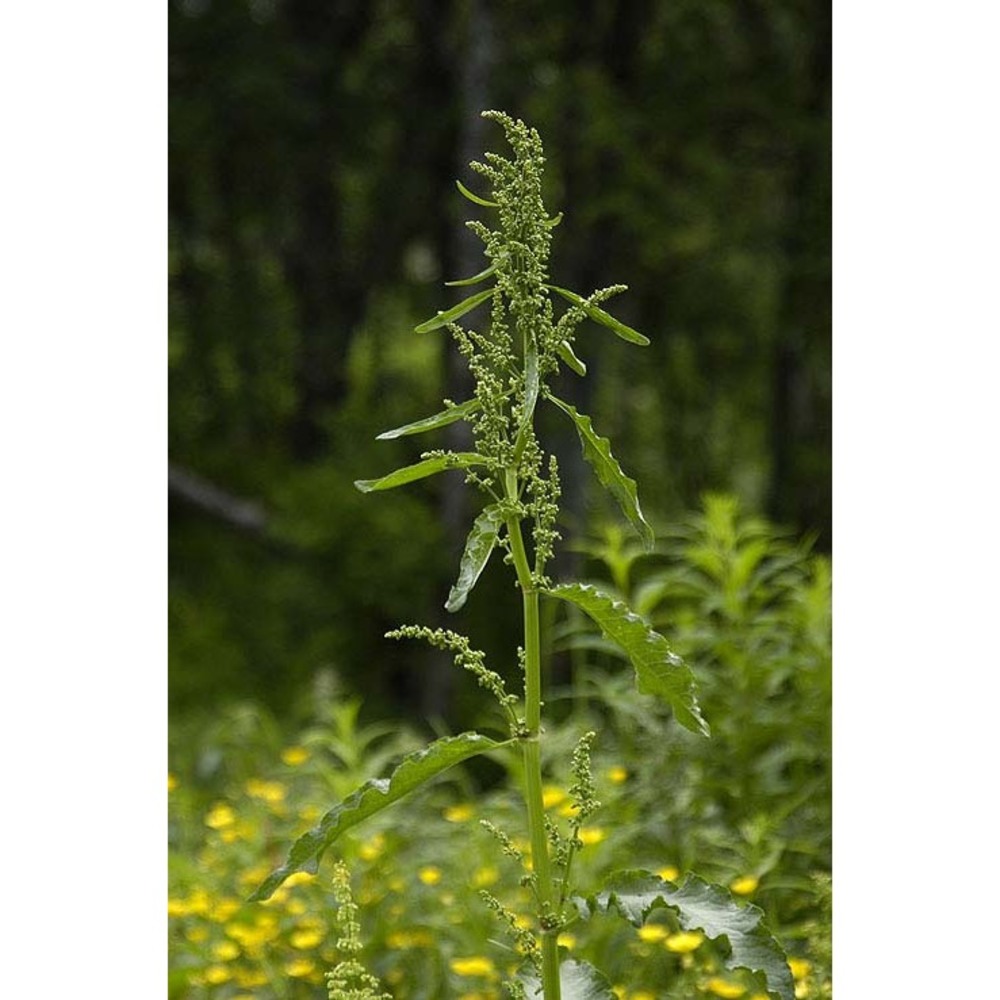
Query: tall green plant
{"x": 513, "y": 364}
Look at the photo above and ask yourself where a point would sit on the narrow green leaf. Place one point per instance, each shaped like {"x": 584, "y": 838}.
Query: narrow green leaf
{"x": 444, "y": 318}
{"x": 475, "y": 197}
{"x": 474, "y": 279}
{"x": 458, "y": 412}
{"x": 577, "y": 981}
{"x": 532, "y": 384}
{"x": 428, "y": 467}
{"x": 658, "y": 669}
{"x": 708, "y": 908}
{"x": 566, "y": 353}
{"x": 554, "y": 221}
{"x": 373, "y": 796}
{"x": 605, "y": 319}
{"x": 597, "y": 451}
{"x": 478, "y": 546}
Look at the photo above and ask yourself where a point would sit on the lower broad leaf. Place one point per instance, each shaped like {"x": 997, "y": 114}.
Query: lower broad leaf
{"x": 414, "y": 770}
{"x": 703, "y": 907}
{"x": 577, "y": 981}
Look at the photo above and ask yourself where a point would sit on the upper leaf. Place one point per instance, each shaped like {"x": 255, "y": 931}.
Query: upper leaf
{"x": 450, "y": 315}
{"x": 475, "y": 197}
{"x": 605, "y": 319}
{"x": 577, "y": 981}
{"x": 414, "y": 770}
{"x": 428, "y": 467}
{"x": 474, "y": 279}
{"x": 658, "y": 669}
{"x": 708, "y": 908}
{"x": 597, "y": 451}
{"x": 478, "y": 546}
{"x": 442, "y": 419}
{"x": 565, "y": 351}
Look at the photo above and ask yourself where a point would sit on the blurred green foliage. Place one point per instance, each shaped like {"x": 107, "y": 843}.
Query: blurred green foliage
{"x": 313, "y": 217}
{"x": 748, "y": 605}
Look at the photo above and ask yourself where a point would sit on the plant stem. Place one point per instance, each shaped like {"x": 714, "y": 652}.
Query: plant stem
{"x": 531, "y": 750}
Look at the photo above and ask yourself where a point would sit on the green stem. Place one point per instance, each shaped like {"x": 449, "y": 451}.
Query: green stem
{"x": 531, "y": 750}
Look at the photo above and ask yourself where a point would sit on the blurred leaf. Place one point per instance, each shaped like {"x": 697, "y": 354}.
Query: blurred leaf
{"x": 428, "y": 467}
{"x": 442, "y": 419}
{"x": 605, "y": 319}
{"x": 597, "y": 451}
{"x": 708, "y": 908}
{"x": 659, "y": 670}
{"x": 450, "y": 315}
{"x": 478, "y": 546}
{"x": 414, "y": 770}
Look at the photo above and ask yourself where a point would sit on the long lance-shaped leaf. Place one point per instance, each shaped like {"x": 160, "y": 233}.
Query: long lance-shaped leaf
{"x": 428, "y": 467}
{"x": 475, "y": 197}
{"x": 703, "y": 907}
{"x": 532, "y": 385}
{"x": 658, "y": 669}
{"x": 474, "y": 279}
{"x": 597, "y": 451}
{"x": 565, "y": 351}
{"x": 577, "y": 981}
{"x": 413, "y": 770}
{"x": 478, "y": 546}
{"x": 605, "y": 319}
{"x": 450, "y": 315}
{"x": 458, "y": 412}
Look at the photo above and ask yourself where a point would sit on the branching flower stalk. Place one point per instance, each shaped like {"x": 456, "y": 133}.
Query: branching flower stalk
{"x": 513, "y": 363}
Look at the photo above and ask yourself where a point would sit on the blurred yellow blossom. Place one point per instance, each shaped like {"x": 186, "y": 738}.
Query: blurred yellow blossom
{"x": 685, "y": 941}
{"x": 669, "y": 873}
{"x": 371, "y": 849}
{"x": 474, "y": 966}
{"x": 220, "y": 816}
{"x": 196, "y": 935}
{"x": 723, "y": 988}
{"x": 552, "y": 795}
{"x": 401, "y": 940}
{"x": 744, "y": 885}
{"x": 617, "y": 775}
{"x": 293, "y": 756}
{"x": 299, "y": 878}
{"x": 459, "y": 813}
{"x": 802, "y": 989}
{"x": 569, "y": 809}
{"x": 566, "y": 940}
{"x": 225, "y": 951}
{"x": 177, "y": 908}
{"x": 653, "y": 932}
{"x": 429, "y": 875}
{"x": 300, "y": 967}
{"x": 305, "y": 939}
{"x": 483, "y": 877}
{"x": 218, "y": 974}
{"x": 592, "y": 834}
{"x": 641, "y": 995}
{"x": 800, "y": 967}
{"x": 171, "y": 782}
{"x": 272, "y": 792}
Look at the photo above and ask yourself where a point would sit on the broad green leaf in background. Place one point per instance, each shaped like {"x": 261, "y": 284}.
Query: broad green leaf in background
{"x": 450, "y": 315}
{"x": 577, "y": 980}
{"x": 373, "y": 796}
{"x": 703, "y": 907}
{"x": 658, "y": 669}
{"x": 475, "y": 197}
{"x": 566, "y": 353}
{"x": 428, "y": 467}
{"x": 605, "y": 319}
{"x": 442, "y": 419}
{"x": 478, "y": 547}
{"x": 597, "y": 451}
{"x": 475, "y": 278}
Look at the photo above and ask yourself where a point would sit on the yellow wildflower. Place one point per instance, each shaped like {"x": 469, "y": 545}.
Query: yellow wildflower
{"x": 617, "y": 775}
{"x": 196, "y": 935}
{"x": 552, "y": 795}
{"x": 225, "y": 951}
{"x": 723, "y": 988}
{"x": 592, "y": 835}
{"x": 483, "y": 877}
{"x": 653, "y": 932}
{"x": 429, "y": 875}
{"x": 295, "y": 907}
{"x": 371, "y": 849}
{"x": 299, "y": 878}
{"x": 217, "y": 974}
{"x": 459, "y": 813}
{"x": 567, "y": 940}
{"x": 744, "y": 885}
{"x": 642, "y": 995}
{"x": 199, "y": 902}
{"x": 171, "y": 782}
{"x": 177, "y": 908}
{"x": 300, "y": 967}
{"x": 293, "y": 756}
{"x": 670, "y": 873}
{"x": 305, "y": 940}
{"x": 220, "y": 816}
{"x": 800, "y": 967}
{"x": 569, "y": 809}
{"x": 476, "y": 965}
{"x": 684, "y": 942}
{"x": 272, "y": 792}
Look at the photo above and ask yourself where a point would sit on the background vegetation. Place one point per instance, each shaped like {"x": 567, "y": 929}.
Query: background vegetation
{"x": 313, "y": 218}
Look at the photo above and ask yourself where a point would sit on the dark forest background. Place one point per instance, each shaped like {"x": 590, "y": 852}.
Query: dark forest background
{"x": 313, "y": 219}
